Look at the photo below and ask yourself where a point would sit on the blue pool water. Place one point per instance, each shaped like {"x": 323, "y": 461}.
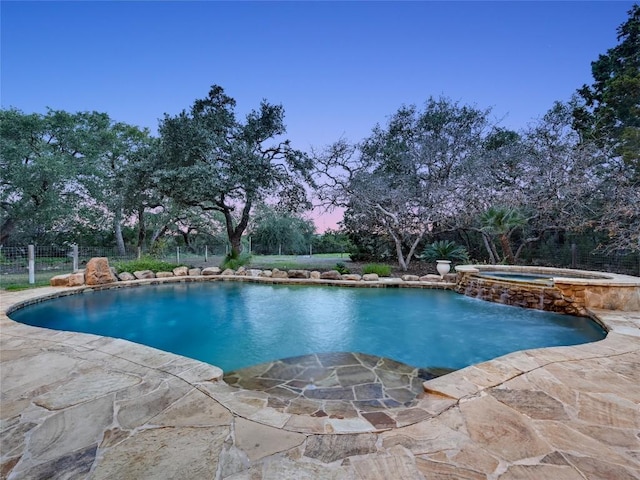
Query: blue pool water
{"x": 522, "y": 277}
{"x": 235, "y": 325}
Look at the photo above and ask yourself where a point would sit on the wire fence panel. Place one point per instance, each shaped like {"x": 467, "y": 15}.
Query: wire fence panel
{"x": 624, "y": 263}
{"x": 53, "y": 260}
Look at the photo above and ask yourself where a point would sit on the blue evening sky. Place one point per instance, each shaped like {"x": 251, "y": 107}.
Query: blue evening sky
{"x": 337, "y": 67}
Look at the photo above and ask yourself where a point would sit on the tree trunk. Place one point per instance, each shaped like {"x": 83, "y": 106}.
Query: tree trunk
{"x": 142, "y": 231}
{"x": 154, "y": 244}
{"x": 487, "y": 245}
{"x": 506, "y": 249}
{"x": 6, "y": 229}
{"x": 401, "y": 262}
{"x": 187, "y": 241}
{"x": 117, "y": 227}
{"x": 235, "y": 238}
{"x": 234, "y": 234}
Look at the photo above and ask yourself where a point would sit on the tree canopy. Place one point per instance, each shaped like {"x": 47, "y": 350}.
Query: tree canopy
{"x": 404, "y": 179}
{"x": 284, "y": 232}
{"x": 211, "y": 160}
{"x": 609, "y": 110}
{"x": 46, "y": 161}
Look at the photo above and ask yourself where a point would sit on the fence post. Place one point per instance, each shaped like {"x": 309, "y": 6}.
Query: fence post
{"x": 32, "y": 264}
{"x": 75, "y": 256}
{"x": 206, "y": 253}
{"x": 574, "y": 255}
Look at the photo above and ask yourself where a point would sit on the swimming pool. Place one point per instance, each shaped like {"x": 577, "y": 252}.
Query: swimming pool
{"x": 235, "y": 325}
{"x": 518, "y": 277}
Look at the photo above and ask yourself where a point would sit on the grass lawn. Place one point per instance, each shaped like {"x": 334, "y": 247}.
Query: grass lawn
{"x": 20, "y": 281}
{"x": 299, "y": 262}
{"x": 321, "y": 261}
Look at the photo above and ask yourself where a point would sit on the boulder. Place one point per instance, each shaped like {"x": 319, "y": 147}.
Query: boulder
{"x": 60, "y": 280}
{"x": 266, "y": 273}
{"x": 180, "y": 271}
{"x": 126, "y": 276}
{"x": 352, "y": 276}
{"x": 275, "y": 273}
{"x": 195, "y": 272}
{"x": 76, "y": 279}
{"x": 98, "y": 272}
{"x": 298, "y": 273}
{"x": 165, "y": 274}
{"x": 144, "y": 274}
{"x": 211, "y": 271}
{"x": 315, "y": 275}
{"x": 254, "y": 272}
{"x": 228, "y": 272}
{"x": 430, "y": 278}
{"x": 370, "y": 277}
{"x": 331, "y": 275}
{"x": 410, "y": 278}
{"x": 242, "y": 271}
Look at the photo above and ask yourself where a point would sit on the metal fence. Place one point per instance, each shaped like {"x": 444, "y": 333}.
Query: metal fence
{"x": 36, "y": 264}
{"x": 572, "y": 256}
{"x": 17, "y": 266}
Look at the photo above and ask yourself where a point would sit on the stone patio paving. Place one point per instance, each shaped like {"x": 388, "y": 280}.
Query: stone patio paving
{"x": 82, "y": 406}
{"x": 338, "y": 385}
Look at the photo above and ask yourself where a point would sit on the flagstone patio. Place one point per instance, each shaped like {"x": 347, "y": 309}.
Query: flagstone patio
{"x": 82, "y": 406}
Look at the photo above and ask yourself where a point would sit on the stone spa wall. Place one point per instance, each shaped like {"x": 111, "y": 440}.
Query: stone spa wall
{"x": 564, "y": 294}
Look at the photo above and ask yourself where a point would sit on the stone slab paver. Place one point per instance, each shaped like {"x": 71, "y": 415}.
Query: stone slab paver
{"x": 79, "y": 406}
{"x": 339, "y": 385}
{"x": 259, "y": 441}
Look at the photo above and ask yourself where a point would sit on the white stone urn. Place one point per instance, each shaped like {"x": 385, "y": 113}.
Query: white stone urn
{"x": 443, "y": 267}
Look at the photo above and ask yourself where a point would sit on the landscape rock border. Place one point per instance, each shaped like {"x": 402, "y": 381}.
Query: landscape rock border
{"x": 82, "y": 277}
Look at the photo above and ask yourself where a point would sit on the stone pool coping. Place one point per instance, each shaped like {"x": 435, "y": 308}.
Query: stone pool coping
{"x": 560, "y": 275}
{"x": 53, "y": 381}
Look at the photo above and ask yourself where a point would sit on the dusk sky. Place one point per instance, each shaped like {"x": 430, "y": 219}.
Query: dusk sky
{"x": 338, "y": 68}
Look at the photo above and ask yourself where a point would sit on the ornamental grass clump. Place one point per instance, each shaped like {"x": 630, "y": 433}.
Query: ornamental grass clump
{"x": 380, "y": 269}
{"x": 342, "y": 269}
{"x": 234, "y": 263}
{"x": 144, "y": 263}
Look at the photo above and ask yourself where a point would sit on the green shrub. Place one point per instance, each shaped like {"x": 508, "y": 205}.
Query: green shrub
{"x": 445, "y": 250}
{"x": 380, "y": 269}
{"x": 235, "y": 263}
{"x": 342, "y": 269}
{"x": 144, "y": 263}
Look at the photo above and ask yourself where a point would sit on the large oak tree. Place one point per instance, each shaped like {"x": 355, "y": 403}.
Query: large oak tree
{"x": 45, "y": 160}
{"x": 211, "y": 160}
{"x": 407, "y": 177}
{"x": 608, "y": 111}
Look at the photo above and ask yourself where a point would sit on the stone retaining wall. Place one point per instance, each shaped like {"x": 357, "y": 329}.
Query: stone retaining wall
{"x": 525, "y": 295}
{"x": 573, "y": 292}
{"x": 625, "y": 298}
{"x": 89, "y": 277}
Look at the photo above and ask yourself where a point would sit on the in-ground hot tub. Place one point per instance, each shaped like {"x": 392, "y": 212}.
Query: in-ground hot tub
{"x": 553, "y": 289}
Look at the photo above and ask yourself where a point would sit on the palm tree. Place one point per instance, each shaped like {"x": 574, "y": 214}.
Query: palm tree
{"x": 501, "y": 221}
